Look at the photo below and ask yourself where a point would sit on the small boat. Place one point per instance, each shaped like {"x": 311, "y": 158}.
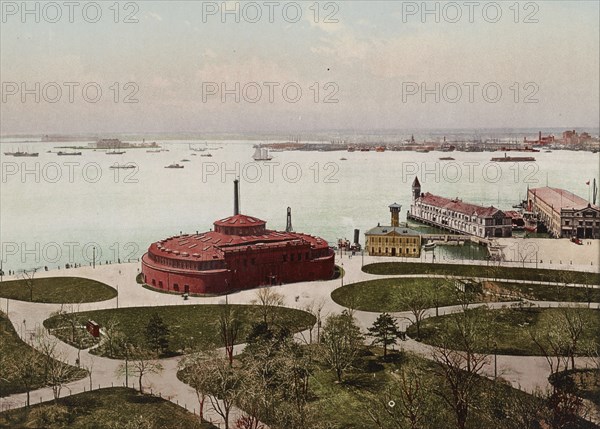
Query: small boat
{"x": 122, "y": 166}
{"x": 261, "y": 154}
{"x": 380, "y": 149}
{"x": 194, "y": 154}
{"x": 174, "y": 166}
{"x": 154, "y": 151}
{"x": 343, "y": 159}
{"x": 429, "y": 246}
{"x": 115, "y": 152}
{"x": 185, "y": 160}
{"x": 365, "y": 149}
{"x": 25, "y": 154}
{"x": 446, "y": 158}
{"x": 351, "y": 149}
{"x": 208, "y": 155}
{"x": 61, "y": 153}
{"x": 422, "y": 151}
{"x": 548, "y": 151}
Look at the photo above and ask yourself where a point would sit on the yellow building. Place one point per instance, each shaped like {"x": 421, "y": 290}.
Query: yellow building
{"x": 393, "y": 240}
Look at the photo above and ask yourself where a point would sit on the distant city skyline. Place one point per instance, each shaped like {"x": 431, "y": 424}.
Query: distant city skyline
{"x": 387, "y": 69}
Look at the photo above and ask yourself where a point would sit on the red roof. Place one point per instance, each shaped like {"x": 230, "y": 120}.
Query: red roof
{"x": 560, "y": 198}
{"x": 458, "y": 205}
{"x": 213, "y": 245}
{"x": 240, "y": 220}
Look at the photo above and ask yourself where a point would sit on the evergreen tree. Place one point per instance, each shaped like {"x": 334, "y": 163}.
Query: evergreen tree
{"x": 157, "y": 334}
{"x": 384, "y": 331}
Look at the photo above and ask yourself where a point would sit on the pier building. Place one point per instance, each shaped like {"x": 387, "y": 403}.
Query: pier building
{"x": 457, "y": 216}
{"x": 564, "y": 214}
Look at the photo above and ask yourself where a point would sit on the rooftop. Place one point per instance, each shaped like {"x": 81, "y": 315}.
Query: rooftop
{"x": 457, "y": 205}
{"x": 382, "y": 230}
{"x": 560, "y": 198}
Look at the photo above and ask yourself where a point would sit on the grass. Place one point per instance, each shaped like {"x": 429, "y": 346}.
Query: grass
{"x": 585, "y": 383}
{"x": 550, "y": 293}
{"x": 511, "y": 330}
{"x": 59, "y": 290}
{"x": 191, "y": 326}
{"x": 12, "y": 347}
{"x": 383, "y": 295}
{"x": 508, "y": 273}
{"x": 117, "y": 407}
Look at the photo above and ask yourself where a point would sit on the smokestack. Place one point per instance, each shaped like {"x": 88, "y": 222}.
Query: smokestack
{"x": 236, "y": 198}
{"x": 288, "y": 227}
{"x": 356, "y": 234}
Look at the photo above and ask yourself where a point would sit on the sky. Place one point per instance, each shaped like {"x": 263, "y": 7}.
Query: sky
{"x": 297, "y": 67}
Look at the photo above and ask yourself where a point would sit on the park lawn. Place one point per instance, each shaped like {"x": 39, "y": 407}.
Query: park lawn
{"x": 585, "y": 383}
{"x": 558, "y": 293}
{"x": 58, "y": 290}
{"x": 190, "y": 326}
{"x": 116, "y": 407}
{"x": 383, "y": 295}
{"x": 12, "y": 347}
{"x": 508, "y": 273}
{"x": 511, "y": 328}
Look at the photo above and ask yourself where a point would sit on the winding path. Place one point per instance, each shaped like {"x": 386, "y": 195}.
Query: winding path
{"x": 523, "y": 372}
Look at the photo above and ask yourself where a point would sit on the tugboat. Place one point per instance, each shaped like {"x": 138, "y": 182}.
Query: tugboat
{"x": 174, "y": 166}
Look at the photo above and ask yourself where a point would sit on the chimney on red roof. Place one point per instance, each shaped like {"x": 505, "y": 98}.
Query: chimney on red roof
{"x": 236, "y": 198}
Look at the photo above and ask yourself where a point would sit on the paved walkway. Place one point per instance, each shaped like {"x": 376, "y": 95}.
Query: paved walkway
{"x": 526, "y": 373}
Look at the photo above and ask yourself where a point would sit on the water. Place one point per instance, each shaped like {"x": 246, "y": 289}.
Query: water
{"x": 55, "y": 210}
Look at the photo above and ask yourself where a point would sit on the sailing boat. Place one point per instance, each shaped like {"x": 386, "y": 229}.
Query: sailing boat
{"x": 261, "y": 154}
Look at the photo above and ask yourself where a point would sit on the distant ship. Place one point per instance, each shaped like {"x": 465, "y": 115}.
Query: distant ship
{"x": 174, "y": 166}
{"x": 514, "y": 159}
{"x": 25, "y": 154}
{"x": 122, "y": 166}
{"x": 209, "y": 155}
{"x": 154, "y": 151}
{"x": 261, "y": 154}
{"x": 61, "y": 153}
{"x": 446, "y": 158}
{"x": 115, "y": 152}
{"x": 380, "y": 149}
{"x": 197, "y": 149}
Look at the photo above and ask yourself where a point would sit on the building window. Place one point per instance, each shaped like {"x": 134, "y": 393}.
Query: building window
{"x": 284, "y": 258}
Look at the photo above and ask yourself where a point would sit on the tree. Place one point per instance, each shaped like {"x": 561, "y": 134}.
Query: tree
{"x": 222, "y": 387}
{"x": 341, "y": 342}
{"x": 112, "y": 338}
{"x": 404, "y": 403}
{"x": 27, "y": 276}
{"x": 458, "y": 364}
{"x": 157, "y": 334}
{"x": 315, "y": 308}
{"x": 196, "y": 373}
{"x": 268, "y": 300}
{"x": 24, "y": 369}
{"x": 56, "y": 372}
{"x": 229, "y": 327}
{"x": 141, "y": 362}
{"x": 384, "y": 331}
{"x": 417, "y": 301}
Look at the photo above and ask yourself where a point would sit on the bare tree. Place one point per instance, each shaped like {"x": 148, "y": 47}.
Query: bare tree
{"x": 458, "y": 364}
{"x": 417, "y": 301}
{"x": 24, "y": 369}
{"x": 27, "y": 276}
{"x": 315, "y": 308}
{"x": 56, "y": 372}
{"x": 141, "y": 362}
{"x": 267, "y": 301}
{"x": 341, "y": 342}
{"x": 196, "y": 369}
{"x": 222, "y": 387}
{"x": 112, "y": 338}
{"x": 229, "y": 327}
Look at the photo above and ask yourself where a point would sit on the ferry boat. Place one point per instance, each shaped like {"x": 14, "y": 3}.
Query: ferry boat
{"x": 122, "y": 166}
{"x": 261, "y": 154}
{"x": 513, "y": 159}
{"x": 115, "y": 152}
{"x": 174, "y": 166}
{"x": 61, "y": 153}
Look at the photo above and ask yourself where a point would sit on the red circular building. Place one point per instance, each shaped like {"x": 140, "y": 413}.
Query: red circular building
{"x": 240, "y": 253}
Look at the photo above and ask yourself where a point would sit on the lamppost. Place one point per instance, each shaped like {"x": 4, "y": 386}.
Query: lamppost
{"x": 495, "y": 360}
{"x": 342, "y": 274}
{"x": 94, "y": 257}
{"x": 117, "y": 295}
{"x": 362, "y": 256}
